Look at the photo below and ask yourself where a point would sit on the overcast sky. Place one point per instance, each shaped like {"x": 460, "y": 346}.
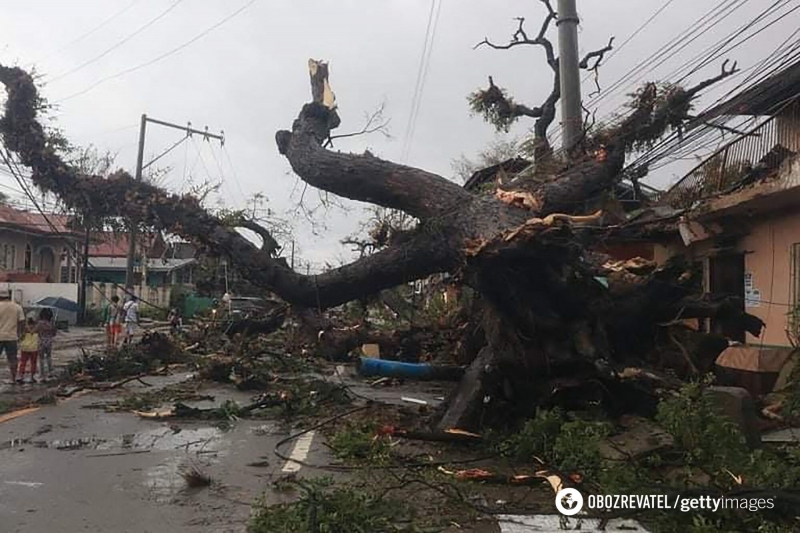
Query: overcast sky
{"x": 249, "y": 77}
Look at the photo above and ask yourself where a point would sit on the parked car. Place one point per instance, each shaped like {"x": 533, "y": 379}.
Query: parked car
{"x": 250, "y": 306}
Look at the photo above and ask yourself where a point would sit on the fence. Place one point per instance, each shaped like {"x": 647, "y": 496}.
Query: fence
{"x": 756, "y": 154}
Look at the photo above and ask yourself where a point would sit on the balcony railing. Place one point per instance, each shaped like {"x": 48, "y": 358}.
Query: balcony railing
{"x": 754, "y": 156}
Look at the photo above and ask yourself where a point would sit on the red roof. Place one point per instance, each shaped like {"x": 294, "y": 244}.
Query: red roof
{"x": 23, "y": 277}
{"x": 111, "y": 244}
{"x": 34, "y": 222}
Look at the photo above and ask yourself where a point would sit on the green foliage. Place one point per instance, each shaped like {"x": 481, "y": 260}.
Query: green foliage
{"x": 791, "y": 394}
{"x": 152, "y": 313}
{"x": 495, "y": 106}
{"x": 497, "y": 151}
{"x": 151, "y": 353}
{"x": 326, "y": 509}
{"x": 360, "y": 442}
{"x": 437, "y": 308}
{"x": 572, "y": 446}
{"x": 709, "y": 450}
{"x": 577, "y": 447}
{"x": 536, "y": 438}
{"x": 177, "y": 298}
{"x": 705, "y": 437}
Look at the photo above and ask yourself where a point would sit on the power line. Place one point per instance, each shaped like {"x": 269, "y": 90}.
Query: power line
{"x": 7, "y": 158}
{"x": 666, "y": 51}
{"x": 162, "y": 56}
{"x": 93, "y": 30}
{"x": 419, "y": 76}
{"x": 771, "y": 64}
{"x": 638, "y": 30}
{"x": 168, "y": 150}
{"x": 222, "y": 173}
{"x": 233, "y": 171}
{"x": 119, "y": 43}
{"x": 422, "y": 72}
{"x": 687, "y": 142}
{"x": 719, "y": 48}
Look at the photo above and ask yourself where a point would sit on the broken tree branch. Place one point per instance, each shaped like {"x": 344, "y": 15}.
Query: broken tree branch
{"x": 598, "y": 55}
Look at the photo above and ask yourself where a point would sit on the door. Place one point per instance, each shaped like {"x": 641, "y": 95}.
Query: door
{"x": 726, "y": 278}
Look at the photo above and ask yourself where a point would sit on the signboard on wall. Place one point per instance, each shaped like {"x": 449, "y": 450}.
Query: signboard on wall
{"x": 752, "y": 296}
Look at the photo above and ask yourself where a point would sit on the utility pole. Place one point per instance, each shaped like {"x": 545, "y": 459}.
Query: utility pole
{"x": 571, "y": 109}
{"x": 132, "y": 232}
{"x": 140, "y": 166}
{"x": 84, "y": 271}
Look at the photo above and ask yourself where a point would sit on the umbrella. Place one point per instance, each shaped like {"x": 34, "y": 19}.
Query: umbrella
{"x": 59, "y": 303}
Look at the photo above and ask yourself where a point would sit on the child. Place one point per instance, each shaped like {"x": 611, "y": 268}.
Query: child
{"x": 175, "y": 321}
{"x": 28, "y": 347}
{"x": 111, "y": 321}
{"x": 47, "y": 331}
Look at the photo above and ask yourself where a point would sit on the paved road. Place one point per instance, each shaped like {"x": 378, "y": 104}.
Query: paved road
{"x": 70, "y": 469}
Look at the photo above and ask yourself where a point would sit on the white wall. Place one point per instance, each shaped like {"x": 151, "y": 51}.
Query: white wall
{"x": 27, "y": 293}
{"x": 98, "y": 294}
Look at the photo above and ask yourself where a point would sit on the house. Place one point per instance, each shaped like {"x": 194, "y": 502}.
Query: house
{"x": 158, "y": 267}
{"x": 33, "y": 248}
{"x": 738, "y": 212}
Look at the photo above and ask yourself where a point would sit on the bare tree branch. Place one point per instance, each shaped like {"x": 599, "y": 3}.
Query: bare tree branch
{"x": 375, "y": 123}
{"x": 520, "y": 37}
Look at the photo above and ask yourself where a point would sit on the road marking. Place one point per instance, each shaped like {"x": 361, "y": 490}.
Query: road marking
{"x": 299, "y": 453}
{"x": 16, "y": 414}
{"x": 31, "y": 484}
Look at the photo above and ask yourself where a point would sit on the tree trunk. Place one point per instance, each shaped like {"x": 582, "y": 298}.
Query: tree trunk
{"x": 546, "y": 316}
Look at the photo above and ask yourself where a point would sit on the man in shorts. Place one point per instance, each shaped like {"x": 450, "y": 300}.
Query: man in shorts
{"x": 12, "y": 320}
{"x": 131, "y": 310}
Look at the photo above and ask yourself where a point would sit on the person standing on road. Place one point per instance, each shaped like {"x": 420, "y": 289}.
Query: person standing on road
{"x": 111, "y": 321}
{"x": 29, "y": 350}
{"x": 131, "y": 310}
{"x": 47, "y": 332}
{"x": 12, "y": 320}
{"x": 175, "y": 321}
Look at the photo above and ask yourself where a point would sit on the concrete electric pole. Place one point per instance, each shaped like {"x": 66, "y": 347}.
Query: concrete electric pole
{"x": 132, "y": 232}
{"x": 571, "y": 110}
{"x": 140, "y": 166}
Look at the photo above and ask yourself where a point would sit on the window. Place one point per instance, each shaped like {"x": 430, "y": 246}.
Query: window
{"x": 28, "y": 257}
{"x": 3, "y": 253}
{"x": 13, "y": 261}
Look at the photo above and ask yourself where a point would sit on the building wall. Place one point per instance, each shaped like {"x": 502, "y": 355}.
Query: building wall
{"x": 768, "y": 260}
{"x": 98, "y": 294}
{"x": 27, "y": 293}
{"x": 45, "y": 254}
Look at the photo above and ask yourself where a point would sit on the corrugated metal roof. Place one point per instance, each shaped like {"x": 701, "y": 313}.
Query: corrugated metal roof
{"x": 153, "y": 265}
{"x": 35, "y": 222}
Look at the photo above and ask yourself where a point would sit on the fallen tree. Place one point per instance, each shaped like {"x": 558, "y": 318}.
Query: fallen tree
{"x": 524, "y": 250}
